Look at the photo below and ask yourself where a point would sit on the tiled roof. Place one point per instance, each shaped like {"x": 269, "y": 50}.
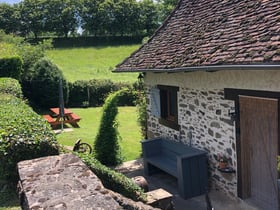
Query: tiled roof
{"x": 212, "y": 33}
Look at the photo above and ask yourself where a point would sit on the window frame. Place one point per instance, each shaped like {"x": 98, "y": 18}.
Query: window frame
{"x": 169, "y": 106}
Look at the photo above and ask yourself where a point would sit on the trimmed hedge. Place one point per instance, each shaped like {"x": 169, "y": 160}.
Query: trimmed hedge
{"x": 106, "y": 144}
{"x": 11, "y": 67}
{"x": 23, "y": 135}
{"x": 113, "y": 180}
{"x": 45, "y": 84}
{"x": 93, "y": 93}
{"x": 10, "y": 86}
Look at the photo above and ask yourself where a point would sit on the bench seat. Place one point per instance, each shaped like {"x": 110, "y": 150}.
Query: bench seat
{"x": 164, "y": 163}
{"x": 74, "y": 117}
{"x": 187, "y": 164}
{"x": 48, "y": 118}
{"x": 70, "y": 118}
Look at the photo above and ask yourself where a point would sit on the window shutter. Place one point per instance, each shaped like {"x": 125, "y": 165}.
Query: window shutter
{"x": 155, "y": 102}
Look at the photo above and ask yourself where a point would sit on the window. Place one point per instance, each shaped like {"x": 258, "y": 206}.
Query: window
{"x": 169, "y": 106}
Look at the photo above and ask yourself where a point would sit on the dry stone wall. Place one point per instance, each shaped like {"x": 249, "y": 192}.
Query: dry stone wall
{"x": 65, "y": 182}
{"x": 203, "y": 116}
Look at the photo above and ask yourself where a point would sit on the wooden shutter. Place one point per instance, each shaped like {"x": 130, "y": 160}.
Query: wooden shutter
{"x": 155, "y": 101}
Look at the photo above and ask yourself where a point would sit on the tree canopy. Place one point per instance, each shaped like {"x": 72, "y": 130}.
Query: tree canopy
{"x": 100, "y": 17}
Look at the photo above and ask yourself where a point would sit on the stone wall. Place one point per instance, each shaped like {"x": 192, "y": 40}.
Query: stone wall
{"x": 203, "y": 116}
{"x": 65, "y": 182}
{"x": 204, "y": 113}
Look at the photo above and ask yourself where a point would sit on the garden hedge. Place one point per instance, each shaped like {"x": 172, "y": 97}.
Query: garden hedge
{"x": 23, "y": 135}
{"x": 11, "y": 67}
{"x": 113, "y": 180}
{"x": 84, "y": 93}
{"x": 10, "y": 86}
{"x": 45, "y": 84}
{"x": 106, "y": 145}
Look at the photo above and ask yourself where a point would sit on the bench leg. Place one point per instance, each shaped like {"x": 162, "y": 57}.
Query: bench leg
{"x": 150, "y": 169}
{"x": 74, "y": 124}
{"x": 181, "y": 187}
{"x": 54, "y": 126}
{"x": 146, "y": 168}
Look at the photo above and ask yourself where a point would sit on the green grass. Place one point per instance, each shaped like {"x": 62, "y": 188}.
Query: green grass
{"x": 84, "y": 64}
{"x": 130, "y": 143}
{"x": 93, "y": 62}
{"x": 89, "y": 124}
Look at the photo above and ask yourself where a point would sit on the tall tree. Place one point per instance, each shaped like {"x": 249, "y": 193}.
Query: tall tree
{"x": 32, "y": 16}
{"x": 150, "y": 16}
{"x": 93, "y": 17}
{"x": 166, "y": 7}
{"x": 126, "y": 17}
{"x": 9, "y": 18}
{"x": 62, "y": 17}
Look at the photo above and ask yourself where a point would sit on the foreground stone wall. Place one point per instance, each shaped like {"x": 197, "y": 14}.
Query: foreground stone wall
{"x": 65, "y": 182}
{"x": 203, "y": 116}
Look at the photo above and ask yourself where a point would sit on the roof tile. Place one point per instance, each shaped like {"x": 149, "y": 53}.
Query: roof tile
{"x": 212, "y": 32}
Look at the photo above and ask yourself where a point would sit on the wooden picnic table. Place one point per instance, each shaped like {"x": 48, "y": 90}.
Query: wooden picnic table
{"x": 56, "y": 111}
{"x": 69, "y": 117}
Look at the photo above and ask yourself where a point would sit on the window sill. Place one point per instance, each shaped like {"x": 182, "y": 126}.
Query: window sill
{"x": 169, "y": 124}
{"x": 227, "y": 170}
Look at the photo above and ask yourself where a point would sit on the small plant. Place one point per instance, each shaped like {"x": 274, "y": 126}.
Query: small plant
{"x": 223, "y": 160}
{"x": 141, "y": 107}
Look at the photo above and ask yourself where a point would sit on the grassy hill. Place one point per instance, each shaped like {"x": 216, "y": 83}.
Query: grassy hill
{"x": 93, "y": 62}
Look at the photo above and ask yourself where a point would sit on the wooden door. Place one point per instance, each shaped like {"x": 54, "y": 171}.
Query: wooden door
{"x": 259, "y": 150}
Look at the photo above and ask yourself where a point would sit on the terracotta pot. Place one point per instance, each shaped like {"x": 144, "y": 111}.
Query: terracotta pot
{"x": 141, "y": 182}
{"x": 222, "y": 165}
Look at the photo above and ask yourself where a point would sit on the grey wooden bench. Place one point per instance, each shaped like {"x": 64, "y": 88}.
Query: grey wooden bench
{"x": 187, "y": 164}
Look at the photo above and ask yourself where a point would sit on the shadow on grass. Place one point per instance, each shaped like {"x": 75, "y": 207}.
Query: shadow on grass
{"x": 8, "y": 196}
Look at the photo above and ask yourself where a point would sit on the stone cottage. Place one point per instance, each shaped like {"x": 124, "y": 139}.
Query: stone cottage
{"x": 212, "y": 79}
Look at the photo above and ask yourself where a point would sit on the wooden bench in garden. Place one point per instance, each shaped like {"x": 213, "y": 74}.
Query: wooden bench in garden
{"x": 51, "y": 120}
{"x": 56, "y": 119}
{"x": 187, "y": 164}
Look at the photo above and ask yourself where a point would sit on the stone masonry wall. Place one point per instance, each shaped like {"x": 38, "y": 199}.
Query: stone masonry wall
{"x": 65, "y": 182}
{"x": 204, "y": 123}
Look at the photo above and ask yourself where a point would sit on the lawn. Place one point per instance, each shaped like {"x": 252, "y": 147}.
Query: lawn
{"x": 84, "y": 64}
{"x": 97, "y": 63}
{"x": 93, "y": 62}
{"x": 130, "y": 143}
{"x": 89, "y": 124}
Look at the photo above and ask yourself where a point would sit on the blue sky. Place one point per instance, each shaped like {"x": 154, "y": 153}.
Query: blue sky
{"x": 10, "y": 1}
